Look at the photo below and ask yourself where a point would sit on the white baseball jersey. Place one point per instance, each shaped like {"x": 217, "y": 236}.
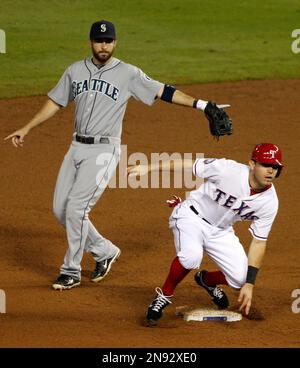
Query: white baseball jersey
{"x": 225, "y": 197}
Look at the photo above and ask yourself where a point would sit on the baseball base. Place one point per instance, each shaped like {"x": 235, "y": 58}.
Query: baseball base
{"x": 212, "y": 315}
{"x": 207, "y": 314}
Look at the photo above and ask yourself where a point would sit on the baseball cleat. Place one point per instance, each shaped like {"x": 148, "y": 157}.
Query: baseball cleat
{"x": 64, "y": 282}
{"x": 103, "y": 267}
{"x": 155, "y": 309}
{"x": 217, "y": 294}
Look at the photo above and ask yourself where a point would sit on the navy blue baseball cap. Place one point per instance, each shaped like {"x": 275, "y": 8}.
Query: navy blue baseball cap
{"x": 102, "y": 29}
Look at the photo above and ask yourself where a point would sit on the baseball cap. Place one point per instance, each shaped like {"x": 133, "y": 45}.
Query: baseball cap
{"x": 102, "y": 29}
{"x": 267, "y": 153}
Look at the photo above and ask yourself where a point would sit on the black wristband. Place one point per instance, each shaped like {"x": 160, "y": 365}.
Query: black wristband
{"x": 195, "y": 104}
{"x": 251, "y": 275}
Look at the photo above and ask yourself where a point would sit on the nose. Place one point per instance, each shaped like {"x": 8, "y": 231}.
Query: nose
{"x": 103, "y": 45}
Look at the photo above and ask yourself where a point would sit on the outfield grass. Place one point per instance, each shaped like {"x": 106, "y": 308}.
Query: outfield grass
{"x": 175, "y": 41}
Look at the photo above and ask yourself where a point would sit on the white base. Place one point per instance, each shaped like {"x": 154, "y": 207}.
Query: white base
{"x": 201, "y": 314}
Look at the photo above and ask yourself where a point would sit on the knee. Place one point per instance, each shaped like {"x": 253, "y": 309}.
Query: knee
{"x": 238, "y": 279}
{"x": 76, "y": 210}
{"x": 190, "y": 262}
{"x": 59, "y": 213}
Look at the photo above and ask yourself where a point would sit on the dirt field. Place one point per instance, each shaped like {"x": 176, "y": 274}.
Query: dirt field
{"x": 111, "y": 313}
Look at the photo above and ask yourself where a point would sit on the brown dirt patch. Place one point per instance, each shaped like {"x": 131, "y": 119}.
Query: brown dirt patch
{"x": 111, "y": 313}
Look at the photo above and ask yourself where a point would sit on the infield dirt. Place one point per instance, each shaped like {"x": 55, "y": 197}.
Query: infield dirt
{"x": 111, "y": 313}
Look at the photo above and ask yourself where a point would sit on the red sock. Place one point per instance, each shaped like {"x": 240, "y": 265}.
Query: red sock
{"x": 176, "y": 274}
{"x": 212, "y": 278}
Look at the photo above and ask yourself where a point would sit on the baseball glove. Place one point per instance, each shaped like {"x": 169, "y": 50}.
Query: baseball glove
{"x": 219, "y": 121}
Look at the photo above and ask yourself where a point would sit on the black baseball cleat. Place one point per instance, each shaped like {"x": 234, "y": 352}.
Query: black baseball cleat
{"x": 217, "y": 294}
{"x": 64, "y": 282}
{"x": 155, "y": 309}
{"x": 103, "y": 267}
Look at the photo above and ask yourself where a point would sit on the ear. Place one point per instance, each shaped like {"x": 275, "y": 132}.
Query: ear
{"x": 252, "y": 164}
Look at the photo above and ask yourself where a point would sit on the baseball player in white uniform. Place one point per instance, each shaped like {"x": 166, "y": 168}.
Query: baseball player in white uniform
{"x": 231, "y": 192}
{"x": 100, "y": 86}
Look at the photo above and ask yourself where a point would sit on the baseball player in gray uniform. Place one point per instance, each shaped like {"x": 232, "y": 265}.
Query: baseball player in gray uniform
{"x": 100, "y": 86}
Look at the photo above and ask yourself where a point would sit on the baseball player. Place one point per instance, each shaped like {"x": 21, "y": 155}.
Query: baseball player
{"x": 100, "y": 86}
{"x": 231, "y": 192}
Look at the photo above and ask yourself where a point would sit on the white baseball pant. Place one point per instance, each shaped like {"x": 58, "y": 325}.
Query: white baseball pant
{"x": 192, "y": 236}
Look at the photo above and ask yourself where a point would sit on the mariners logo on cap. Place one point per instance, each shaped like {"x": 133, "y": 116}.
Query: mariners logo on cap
{"x": 102, "y": 29}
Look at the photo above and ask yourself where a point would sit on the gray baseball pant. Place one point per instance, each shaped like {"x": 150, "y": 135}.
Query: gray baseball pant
{"x": 83, "y": 177}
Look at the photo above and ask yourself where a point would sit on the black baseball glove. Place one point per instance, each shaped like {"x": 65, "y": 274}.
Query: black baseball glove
{"x": 219, "y": 121}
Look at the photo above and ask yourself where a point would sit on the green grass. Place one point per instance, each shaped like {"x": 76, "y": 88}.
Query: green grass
{"x": 175, "y": 41}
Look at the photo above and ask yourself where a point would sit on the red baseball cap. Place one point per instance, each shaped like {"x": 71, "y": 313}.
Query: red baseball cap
{"x": 267, "y": 153}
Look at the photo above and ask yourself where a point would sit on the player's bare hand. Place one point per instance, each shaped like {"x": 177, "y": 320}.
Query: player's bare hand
{"x": 174, "y": 201}
{"x": 245, "y": 298}
{"x": 17, "y": 137}
{"x": 137, "y": 170}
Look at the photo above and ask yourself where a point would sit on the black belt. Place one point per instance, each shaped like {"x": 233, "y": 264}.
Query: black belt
{"x": 197, "y": 213}
{"x": 90, "y": 140}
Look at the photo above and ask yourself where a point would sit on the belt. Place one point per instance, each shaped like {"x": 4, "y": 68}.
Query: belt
{"x": 91, "y": 140}
{"x": 197, "y": 213}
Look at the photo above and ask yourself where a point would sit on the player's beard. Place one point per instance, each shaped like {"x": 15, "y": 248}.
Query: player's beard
{"x": 102, "y": 56}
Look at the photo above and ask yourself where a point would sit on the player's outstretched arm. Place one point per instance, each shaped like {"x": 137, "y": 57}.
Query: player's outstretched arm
{"x": 172, "y": 95}
{"x": 255, "y": 256}
{"x": 45, "y": 113}
{"x": 173, "y": 165}
{"x": 219, "y": 122}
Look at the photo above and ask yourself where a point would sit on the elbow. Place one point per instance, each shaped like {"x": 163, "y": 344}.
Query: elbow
{"x": 259, "y": 242}
{"x": 166, "y": 93}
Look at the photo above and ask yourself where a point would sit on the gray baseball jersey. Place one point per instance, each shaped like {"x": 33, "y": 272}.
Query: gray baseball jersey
{"x": 101, "y": 95}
